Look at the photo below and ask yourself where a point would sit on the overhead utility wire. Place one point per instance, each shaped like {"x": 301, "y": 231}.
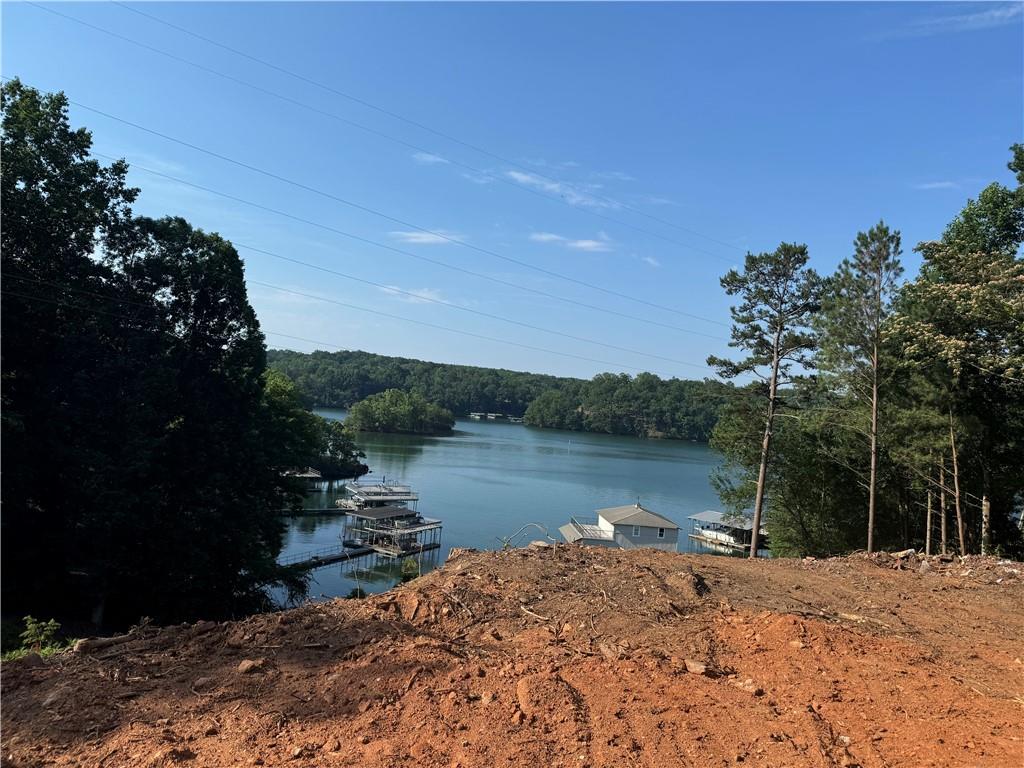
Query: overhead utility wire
{"x": 381, "y": 214}
{"x": 373, "y": 131}
{"x": 417, "y": 124}
{"x": 481, "y": 313}
{"x": 402, "y": 251}
{"x": 416, "y": 296}
{"x": 454, "y": 330}
{"x": 93, "y": 310}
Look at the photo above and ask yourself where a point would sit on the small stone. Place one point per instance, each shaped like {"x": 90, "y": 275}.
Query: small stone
{"x": 518, "y": 718}
{"x": 364, "y": 705}
{"x": 796, "y": 643}
{"x": 201, "y": 682}
{"x": 332, "y": 745}
{"x": 925, "y": 567}
{"x": 248, "y": 666}
{"x": 364, "y": 739}
{"x": 695, "y": 667}
{"x": 32, "y": 659}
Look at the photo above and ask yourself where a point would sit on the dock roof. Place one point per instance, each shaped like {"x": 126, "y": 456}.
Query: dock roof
{"x": 634, "y": 514}
{"x": 713, "y": 516}
{"x": 382, "y": 513}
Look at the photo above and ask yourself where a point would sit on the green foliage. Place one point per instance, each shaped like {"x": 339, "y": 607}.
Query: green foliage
{"x": 39, "y": 634}
{"x": 948, "y": 350}
{"x": 643, "y": 406}
{"x": 341, "y": 379}
{"x": 320, "y": 443}
{"x": 778, "y": 294}
{"x": 401, "y": 412}
{"x": 143, "y": 447}
{"x": 33, "y": 636}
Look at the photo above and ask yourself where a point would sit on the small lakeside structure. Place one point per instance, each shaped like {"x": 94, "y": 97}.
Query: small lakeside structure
{"x": 383, "y": 517}
{"x": 730, "y": 534}
{"x": 627, "y": 527}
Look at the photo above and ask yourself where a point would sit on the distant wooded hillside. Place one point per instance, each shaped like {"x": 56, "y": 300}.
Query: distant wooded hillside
{"x": 643, "y": 405}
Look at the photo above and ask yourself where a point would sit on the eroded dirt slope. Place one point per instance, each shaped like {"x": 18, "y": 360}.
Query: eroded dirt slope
{"x": 569, "y": 657}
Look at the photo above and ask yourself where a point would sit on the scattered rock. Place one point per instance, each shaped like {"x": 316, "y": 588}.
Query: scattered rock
{"x": 249, "y": 666}
{"x": 695, "y": 667}
{"x": 201, "y": 682}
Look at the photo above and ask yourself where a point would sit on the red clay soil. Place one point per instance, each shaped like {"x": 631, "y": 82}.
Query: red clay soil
{"x": 569, "y": 657}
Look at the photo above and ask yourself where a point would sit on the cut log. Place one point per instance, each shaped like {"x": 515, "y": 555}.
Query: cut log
{"x": 90, "y": 644}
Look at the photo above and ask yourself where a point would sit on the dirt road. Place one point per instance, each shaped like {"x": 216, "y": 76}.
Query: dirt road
{"x": 570, "y": 657}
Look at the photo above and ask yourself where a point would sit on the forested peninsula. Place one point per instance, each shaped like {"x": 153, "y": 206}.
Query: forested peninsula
{"x": 644, "y": 405}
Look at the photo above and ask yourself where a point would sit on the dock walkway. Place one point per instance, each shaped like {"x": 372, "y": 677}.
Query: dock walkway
{"x": 337, "y": 553}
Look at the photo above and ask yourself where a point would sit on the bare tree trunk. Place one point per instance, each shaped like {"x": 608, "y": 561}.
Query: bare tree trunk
{"x": 762, "y": 472}
{"x": 874, "y": 450}
{"x": 928, "y": 526}
{"x": 986, "y": 516}
{"x": 956, "y": 488}
{"x": 942, "y": 502}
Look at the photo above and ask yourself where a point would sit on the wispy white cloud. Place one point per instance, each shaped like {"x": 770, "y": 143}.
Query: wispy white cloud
{"x": 571, "y": 193}
{"x": 426, "y": 158}
{"x": 478, "y": 178}
{"x": 438, "y": 237}
{"x": 601, "y": 244}
{"x": 992, "y": 17}
{"x": 651, "y": 260}
{"x": 937, "y": 185}
{"x": 546, "y": 237}
{"x": 414, "y": 295}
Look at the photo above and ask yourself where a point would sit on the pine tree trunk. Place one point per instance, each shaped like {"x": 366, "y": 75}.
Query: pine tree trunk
{"x": 874, "y": 451}
{"x": 986, "y": 516}
{"x": 942, "y": 504}
{"x": 762, "y": 472}
{"x": 956, "y": 488}
{"x": 928, "y": 526}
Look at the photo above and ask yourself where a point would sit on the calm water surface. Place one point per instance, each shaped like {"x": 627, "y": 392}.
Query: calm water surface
{"x": 491, "y": 478}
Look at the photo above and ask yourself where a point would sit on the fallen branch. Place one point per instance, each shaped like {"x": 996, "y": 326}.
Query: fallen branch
{"x": 90, "y": 644}
{"x": 526, "y": 610}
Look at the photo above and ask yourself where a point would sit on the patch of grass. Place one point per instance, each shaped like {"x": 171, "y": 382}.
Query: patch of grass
{"x": 35, "y": 636}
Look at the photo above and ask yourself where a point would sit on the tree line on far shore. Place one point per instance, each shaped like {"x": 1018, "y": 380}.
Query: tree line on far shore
{"x": 644, "y": 405}
{"x": 881, "y": 413}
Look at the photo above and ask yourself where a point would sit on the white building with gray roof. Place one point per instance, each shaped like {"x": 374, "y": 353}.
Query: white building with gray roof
{"x": 625, "y": 527}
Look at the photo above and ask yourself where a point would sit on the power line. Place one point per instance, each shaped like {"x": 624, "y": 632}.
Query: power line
{"x": 416, "y": 123}
{"x": 402, "y": 222}
{"x": 373, "y": 131}
{"x": 402, "y": 251}
{"x": 452, "y": 305}
{"x": 446, "y": 328}
{"x": 64, "y": 286}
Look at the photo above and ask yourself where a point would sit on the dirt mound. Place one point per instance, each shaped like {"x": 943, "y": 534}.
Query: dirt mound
{"x": 562, "y": 657}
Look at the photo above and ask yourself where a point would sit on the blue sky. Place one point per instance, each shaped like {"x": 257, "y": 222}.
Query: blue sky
{"x": 638, "y": 148}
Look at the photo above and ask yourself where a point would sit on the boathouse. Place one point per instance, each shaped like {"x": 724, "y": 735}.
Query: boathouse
{"x": 625, "y": 527}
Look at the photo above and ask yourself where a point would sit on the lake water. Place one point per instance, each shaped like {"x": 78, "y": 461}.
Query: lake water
{"x": 490, "y": 479}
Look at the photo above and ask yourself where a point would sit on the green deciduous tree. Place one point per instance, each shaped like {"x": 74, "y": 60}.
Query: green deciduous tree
{"x": 401, "y": 412}
{"x": 778, "y": 296}
{"x": 143, "y": 447}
